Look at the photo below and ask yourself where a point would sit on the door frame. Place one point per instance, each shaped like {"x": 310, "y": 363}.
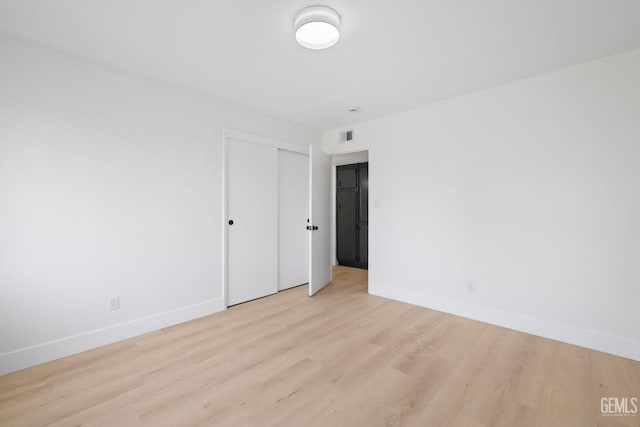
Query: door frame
{"x": 307, "y": 191}
{"x": 357, "y": 167}
{"x": 334, "y": 182}
{"x": 255, "y": 139}
{"x": 373, "y": 203}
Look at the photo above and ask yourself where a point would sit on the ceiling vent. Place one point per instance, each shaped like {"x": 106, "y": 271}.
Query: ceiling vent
{"x": 346, "y": 136}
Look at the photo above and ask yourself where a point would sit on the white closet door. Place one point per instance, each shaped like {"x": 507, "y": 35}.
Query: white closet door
{"x": 293, "y": 211}
{"x": 252, "y": 200}
{"x": 320, "y": 202}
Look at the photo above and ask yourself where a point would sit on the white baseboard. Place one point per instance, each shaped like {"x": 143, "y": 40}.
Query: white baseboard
{"x": 48, "y": 351}
{"x": 619, "y": 346}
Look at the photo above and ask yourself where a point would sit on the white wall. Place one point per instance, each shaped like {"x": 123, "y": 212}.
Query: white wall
{"x": 529, "y": 190}
{"x": 349, "y": 158}
{"x": 339, "y": 160}
{"x": 109, "y": 185}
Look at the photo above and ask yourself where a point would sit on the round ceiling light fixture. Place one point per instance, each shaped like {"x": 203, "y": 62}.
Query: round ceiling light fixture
{"x": 317, "y": 27}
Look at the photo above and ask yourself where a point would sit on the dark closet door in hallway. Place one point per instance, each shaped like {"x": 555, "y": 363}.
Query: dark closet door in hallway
{"x": 352, "y": 216}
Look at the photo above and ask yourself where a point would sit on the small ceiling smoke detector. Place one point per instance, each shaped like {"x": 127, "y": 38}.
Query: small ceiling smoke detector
{"x": 317, "y": 27}
{"x": 353, "y": 109}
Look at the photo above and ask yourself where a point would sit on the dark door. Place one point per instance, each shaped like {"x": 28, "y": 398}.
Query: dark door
{"x": 352, "y": 216}
{"x": 363, "y": 215}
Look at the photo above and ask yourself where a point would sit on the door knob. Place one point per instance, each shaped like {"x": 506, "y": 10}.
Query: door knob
{"x": 230, "y": 222}
{"x": 315, "y": 227}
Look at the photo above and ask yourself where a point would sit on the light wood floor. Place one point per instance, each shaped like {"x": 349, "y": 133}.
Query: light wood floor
{"x": 341, "y": 358}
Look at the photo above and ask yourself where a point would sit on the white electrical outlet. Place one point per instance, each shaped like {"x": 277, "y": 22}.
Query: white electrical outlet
{"x": 471, "y": 286}
{"x": 114, "y": 303}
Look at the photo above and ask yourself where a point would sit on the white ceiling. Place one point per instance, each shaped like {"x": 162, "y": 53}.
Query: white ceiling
{"x": 392, "y": 56}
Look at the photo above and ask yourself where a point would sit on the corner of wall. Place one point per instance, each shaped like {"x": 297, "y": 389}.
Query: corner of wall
{"x": 594, "y": 340}
{"x": 56, "y": 349}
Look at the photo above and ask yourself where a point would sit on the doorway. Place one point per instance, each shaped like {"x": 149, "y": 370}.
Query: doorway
{"x": 339, "y": 160}
{"x": 293, "y": 210}
{"x": 266, "y": 201}
{"x": 352, "y": 215}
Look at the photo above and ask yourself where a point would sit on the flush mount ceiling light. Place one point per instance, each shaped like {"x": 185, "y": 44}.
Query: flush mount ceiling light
{"x": 317, "y": 27}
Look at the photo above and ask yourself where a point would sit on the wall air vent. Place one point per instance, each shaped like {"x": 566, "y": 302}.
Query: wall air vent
{"x": 346, "y": 136}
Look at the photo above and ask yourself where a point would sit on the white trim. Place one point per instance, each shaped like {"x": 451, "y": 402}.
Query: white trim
{"x": 619, "y": 346}
{"x": 56, "y": 349}
{"x": 278, "y": 220}
{"x": 310, "y": 223}
{"x": 351, "y": 151}
{"x": 234, "y": 134}
{"x": 225, "y": 215}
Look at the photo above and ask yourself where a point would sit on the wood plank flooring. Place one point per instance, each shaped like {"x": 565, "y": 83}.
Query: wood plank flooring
{"x": 341, "y": 358}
